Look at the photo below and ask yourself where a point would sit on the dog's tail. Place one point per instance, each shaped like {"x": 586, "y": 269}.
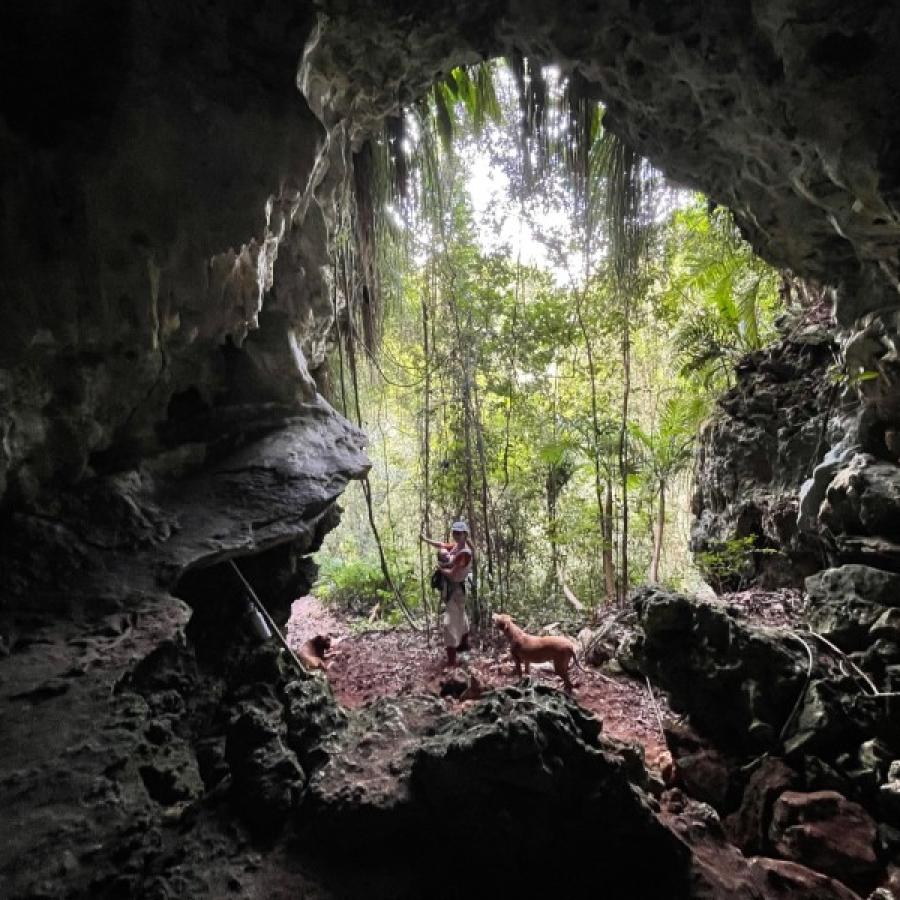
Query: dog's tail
{"x": 576, "y": 661}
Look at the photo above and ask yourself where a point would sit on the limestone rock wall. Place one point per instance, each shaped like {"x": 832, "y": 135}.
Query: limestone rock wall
{"x": 800, "y": 461}
{"x": 764, "y": 439}
{"x": 145, "y": 202}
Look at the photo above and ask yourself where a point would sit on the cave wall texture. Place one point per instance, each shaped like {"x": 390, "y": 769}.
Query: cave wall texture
{"x": 173, "y": 177}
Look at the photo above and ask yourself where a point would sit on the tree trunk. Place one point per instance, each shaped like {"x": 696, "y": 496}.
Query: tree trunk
{"x": 426, "y": 452}
{"x": 609, "y": 562}
{"x": 604, "y": 531}
{"x": 623, "y": 438}
{"x": 658, "y": 537}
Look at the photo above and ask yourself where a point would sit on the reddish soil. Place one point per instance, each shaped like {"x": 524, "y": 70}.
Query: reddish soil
{"x": 363, "y": 667}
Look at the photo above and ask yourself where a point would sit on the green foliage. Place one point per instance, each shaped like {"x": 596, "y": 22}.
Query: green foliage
{"x": 498, "y": 391}
{"x": 668, "y": 447}
{"x": 730, "y": 565}
{"x": 466, "y": 91}
{"x": 722, "y": 297}
{"x": 357, "y": 586}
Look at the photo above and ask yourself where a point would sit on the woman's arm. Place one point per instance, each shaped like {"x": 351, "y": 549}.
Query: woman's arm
{"x": 428, "y": 540}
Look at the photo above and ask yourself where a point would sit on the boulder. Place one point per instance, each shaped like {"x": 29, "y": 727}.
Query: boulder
{"x": 521, "y": 775}
{"x": 748, "y": 828}
{"x": 827, "y": 720}
{"x": 737, "y": 682}
{"x": 698, "y": 767}
{"x": 863, "y": 498}
{"x": 825, "y": 831}
{"x": 844, "y": 603}
{"x": 719, "y": 871}
{"x": 868, "y": 583}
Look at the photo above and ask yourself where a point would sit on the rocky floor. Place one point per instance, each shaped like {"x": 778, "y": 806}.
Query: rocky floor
{"x": 757, "y": 825}
{"x": 285, "y": 793}
{"x": 365, "y": 666}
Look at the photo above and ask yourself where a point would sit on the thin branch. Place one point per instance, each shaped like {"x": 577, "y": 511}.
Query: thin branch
{"x": 656, "y": 709}
{"x": 844, "y": 656}
{"x": 802, "y": 694}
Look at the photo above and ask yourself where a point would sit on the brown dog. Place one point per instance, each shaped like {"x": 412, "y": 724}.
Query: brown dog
{"x": 527, "y": 649}
{"x": 312, "y": 653}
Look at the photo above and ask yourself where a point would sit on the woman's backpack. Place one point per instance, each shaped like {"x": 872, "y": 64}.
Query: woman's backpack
{"x": 437, "y": 579}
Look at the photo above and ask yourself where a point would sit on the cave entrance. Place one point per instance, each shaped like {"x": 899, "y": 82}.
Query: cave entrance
{"x": 540, "y": 324}
{"x": 532, "y": 325}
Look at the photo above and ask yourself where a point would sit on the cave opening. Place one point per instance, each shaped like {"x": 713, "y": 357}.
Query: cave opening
{"x": 187, "y": 252}
{"x": 561, "y": 265}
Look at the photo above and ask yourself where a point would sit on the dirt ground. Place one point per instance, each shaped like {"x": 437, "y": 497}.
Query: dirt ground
{"x": 364, "y": 667}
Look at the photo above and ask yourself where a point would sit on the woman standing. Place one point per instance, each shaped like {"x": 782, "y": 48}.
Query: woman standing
{"x": 460, "y": 557}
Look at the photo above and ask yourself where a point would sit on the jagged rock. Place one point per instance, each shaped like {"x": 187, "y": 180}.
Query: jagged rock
{"x": 812, "y": 491}
{"x": 720, "y": 870}
{"x": 171, "y": 777}
{"x": 312, "y": 715}
{"x": 859, "y": 514}
{"x": 211, "y": 761}
{"x": 748, "y": 827}
{"x": 267, "y": 779}
{"x": 873, "y": 551}
{"x": 863, "y": 498}
{"x": 751, "y": 463}
{"x": 818, "y": 775}
{"x": 737, "y": 682}
{"x": 827, "y": 721}
{"x": 882, "y": 658}
{"x": 698, "y": 768}
{"x": 498, "y": 773}
{"x": 844, "y": 603}
{"x": 887, "y": 626}
{"x": 825, "y": 831}
{"x": 873, "y": 760}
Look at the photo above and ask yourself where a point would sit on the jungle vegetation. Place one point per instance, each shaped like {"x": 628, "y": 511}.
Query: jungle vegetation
{"x": 540, "y": 327}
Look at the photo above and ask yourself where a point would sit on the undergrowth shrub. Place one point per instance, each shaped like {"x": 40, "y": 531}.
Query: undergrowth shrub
{"x": 359, "y": 586}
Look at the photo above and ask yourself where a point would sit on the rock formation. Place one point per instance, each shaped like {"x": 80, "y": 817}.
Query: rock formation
{"x": 174, "y": 183}
{"x": 763, "y": 441}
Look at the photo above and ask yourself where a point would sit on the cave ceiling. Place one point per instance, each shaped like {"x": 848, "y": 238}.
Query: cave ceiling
{"x": 779, "y": 110}
{"x": 176, "y": 175}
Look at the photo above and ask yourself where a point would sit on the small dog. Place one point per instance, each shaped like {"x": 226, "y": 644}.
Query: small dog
{"x": 527, "y": 649}
{"x": 312, "y": 653}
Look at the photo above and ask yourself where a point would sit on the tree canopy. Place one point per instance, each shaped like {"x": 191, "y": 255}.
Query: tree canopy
{"x": 552, "y": 335}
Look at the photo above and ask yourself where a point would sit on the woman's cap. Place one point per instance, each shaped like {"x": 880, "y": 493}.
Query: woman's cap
{"x": 460, "y": 526}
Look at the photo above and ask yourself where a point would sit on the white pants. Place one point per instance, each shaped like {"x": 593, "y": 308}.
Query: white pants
{"x": 455, "y": 622}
